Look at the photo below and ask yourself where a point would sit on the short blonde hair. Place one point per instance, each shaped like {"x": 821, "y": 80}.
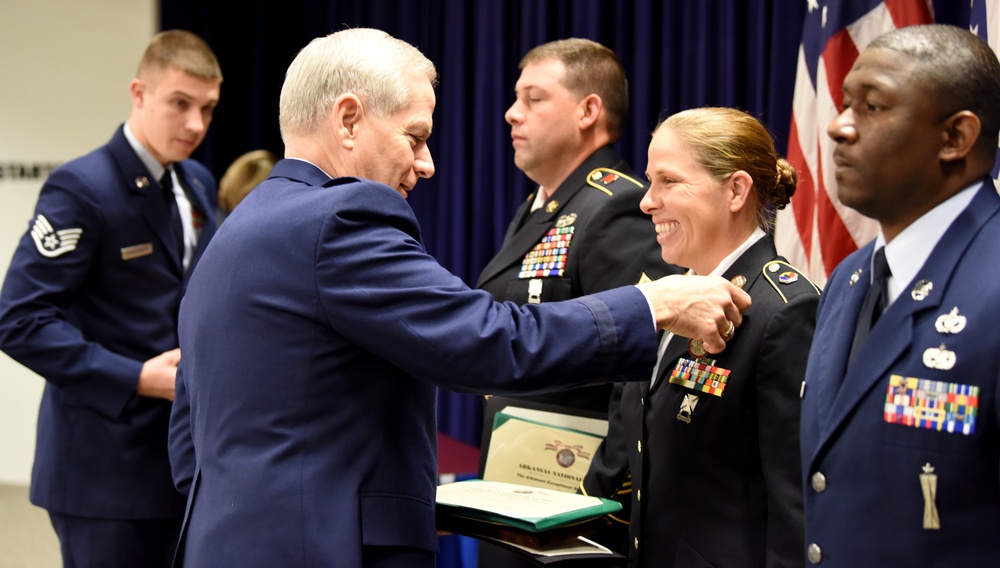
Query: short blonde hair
{"x": 244, "y": 174}
{"x": 182, "y": 50}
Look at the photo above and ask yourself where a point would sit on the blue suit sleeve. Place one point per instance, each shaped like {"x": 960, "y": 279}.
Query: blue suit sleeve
{"x": 49, "y": 270}
{"x": 378, "y": 282}
{"x": 180, "y": 439}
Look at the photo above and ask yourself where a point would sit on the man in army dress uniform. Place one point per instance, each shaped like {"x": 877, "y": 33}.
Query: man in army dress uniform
{"x": 582, "y": 230}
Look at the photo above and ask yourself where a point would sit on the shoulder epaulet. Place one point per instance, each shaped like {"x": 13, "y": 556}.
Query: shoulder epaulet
{"x": 782, "y": 275}
{"x": 608, "y": 180}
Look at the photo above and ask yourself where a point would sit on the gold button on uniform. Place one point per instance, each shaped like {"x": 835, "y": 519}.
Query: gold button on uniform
{"x": 638, "y": 446}
{"x": 638, "y": 495}
{"x": 636, "y": 543}
{"x": 814, "y": 553}
{"x": 818, "y": 482}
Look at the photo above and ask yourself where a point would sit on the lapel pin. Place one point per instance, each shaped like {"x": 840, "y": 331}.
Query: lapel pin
{"x": 855, "y": 277}
{"x": 141, "y": 182}
{"x": 551, "y": 206}
{"x": 739, "y": 280}
{"x": 921, "y": 290}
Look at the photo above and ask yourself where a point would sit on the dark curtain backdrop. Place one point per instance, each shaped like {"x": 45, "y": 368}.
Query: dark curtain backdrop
{"x": 677, "y": 54}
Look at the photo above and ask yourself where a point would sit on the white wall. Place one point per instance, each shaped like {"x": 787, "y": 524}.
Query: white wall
{"x": 65, "y": 66}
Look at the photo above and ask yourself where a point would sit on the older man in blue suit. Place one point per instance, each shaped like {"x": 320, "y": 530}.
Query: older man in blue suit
{"x": 900, "y": 428}
{"x": 90, "y": 303}
{"x": 316, "y": 330}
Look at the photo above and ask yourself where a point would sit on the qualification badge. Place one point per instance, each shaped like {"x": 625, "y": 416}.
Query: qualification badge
{"x": 939, "y": 358}
{"x": 950, "y": 322}
{"x": 687, "y": 407}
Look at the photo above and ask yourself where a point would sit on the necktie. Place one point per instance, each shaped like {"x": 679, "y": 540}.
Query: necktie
{"x": 176, "y": 226}
{"x": 875, "y": 301}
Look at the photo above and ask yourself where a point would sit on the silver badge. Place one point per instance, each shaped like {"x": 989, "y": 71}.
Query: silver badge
{"x": 855, "y": 277}
{"x": 535, "y": 291}
{"x": 939, "y": 358}
{"x": 921, "y": 290}
{"x": 687, "y": 408}
{"x": 950, "y": 322}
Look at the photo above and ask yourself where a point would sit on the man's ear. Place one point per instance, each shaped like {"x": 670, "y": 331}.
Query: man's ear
{"x": 590, "y": 110}
{"x": 347, "y": 113}
{"x": 961, "y": 133}
{"x": 137, "y": 90}
{"x": 740, "y": 184}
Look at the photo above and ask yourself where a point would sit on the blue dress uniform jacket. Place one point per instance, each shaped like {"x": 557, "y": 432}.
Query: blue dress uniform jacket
{"x": 612, "y": 243}
{"x": 315, "y": 333}
{"x": 717, "y": 482}
{"x": 92, "y": 292}
{"x": 864, "y": 500}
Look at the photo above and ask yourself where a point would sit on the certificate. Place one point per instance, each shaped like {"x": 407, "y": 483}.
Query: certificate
{"x": 523, "y": 507}
{"x": 538, "y": 454}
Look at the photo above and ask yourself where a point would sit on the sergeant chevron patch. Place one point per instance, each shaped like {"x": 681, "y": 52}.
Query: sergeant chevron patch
{"x": 50, "y": 242}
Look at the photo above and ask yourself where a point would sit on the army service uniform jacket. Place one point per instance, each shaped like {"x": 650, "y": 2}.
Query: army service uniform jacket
{"x": 589, "y": 236}
{"x": 715, "y": 465}
{"x": 901, "y": 451}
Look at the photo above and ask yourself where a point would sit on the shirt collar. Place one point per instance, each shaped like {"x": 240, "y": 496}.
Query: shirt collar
{"x": 152, "y": 164}
{"x": 723, "y": 266}
{"x": 908, "y": 252}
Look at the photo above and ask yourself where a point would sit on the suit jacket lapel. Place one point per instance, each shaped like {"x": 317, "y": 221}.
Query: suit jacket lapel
{"x": 143, "y": 187}
{"x": 892, "y": 335}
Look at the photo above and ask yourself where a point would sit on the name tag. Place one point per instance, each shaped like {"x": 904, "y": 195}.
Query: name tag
{"x": 135, "y": 251}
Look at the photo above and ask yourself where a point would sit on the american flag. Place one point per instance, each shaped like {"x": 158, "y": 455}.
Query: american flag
{"x": 984, "y": 21}
{"x": 815, "y": 232}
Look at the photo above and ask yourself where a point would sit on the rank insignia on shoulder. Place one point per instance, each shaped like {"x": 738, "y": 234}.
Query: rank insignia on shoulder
{"x": 606, "y": 180}
{"x": 50, "y": 242}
